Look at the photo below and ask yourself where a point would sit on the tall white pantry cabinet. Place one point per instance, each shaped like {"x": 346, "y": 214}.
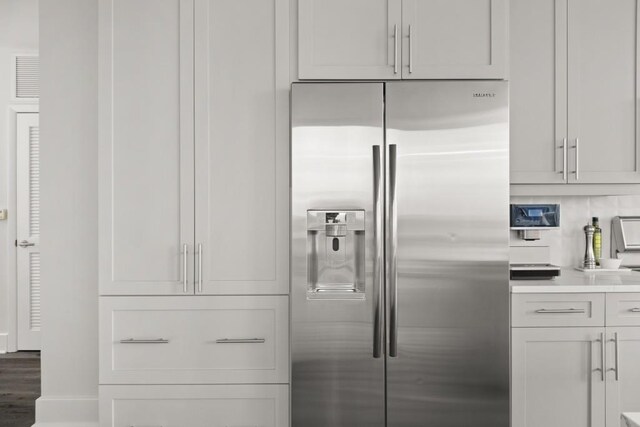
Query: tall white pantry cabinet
{"x": 194, "y": 214}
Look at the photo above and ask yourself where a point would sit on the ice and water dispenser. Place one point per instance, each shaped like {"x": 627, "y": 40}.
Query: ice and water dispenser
{"x": 336, "y": 253}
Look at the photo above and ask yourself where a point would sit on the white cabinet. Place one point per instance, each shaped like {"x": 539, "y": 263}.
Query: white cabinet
{"x": 409, "y": 39}
{"x": 623, "y": 373}
{"x": 195, "y": 406}
{"x": 564, "y": 374}
{"x": 194, "y": 340}
{"x": 556, "y": 380}
{"x": 573, "y": 80}
{"x": 242, "y": 157}
{"x": 193, "y": 189}
{"x": 349, "y": 39}
{"x": 146, "y": 144}
{"x": 194, "y": 202}
{"x": 454, "y": 39}
{"x": 603, "y": 93}
{"x": 537, "y": 87}
{"x": 570, "y": 309}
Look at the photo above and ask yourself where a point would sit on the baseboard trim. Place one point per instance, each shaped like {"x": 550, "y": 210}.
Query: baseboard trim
{"x": 75, "y": 411}
{"x": 4, "y": 343}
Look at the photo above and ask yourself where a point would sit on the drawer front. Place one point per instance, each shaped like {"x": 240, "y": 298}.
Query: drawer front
{"x": 194, "y": 340}
{"x": 623, "y": 309}
{"x": 531, "y": 310}
{"x": 194, "y": 406}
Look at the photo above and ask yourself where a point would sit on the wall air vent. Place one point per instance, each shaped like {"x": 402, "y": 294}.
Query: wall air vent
{"x": 27, "y": 77}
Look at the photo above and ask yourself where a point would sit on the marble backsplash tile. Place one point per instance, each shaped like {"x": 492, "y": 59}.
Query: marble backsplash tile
{"x": 567, "y": 243}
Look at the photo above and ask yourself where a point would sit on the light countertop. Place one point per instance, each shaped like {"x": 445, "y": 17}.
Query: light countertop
{"x": 632, "y": 419}
{"x": 572, "y": 280}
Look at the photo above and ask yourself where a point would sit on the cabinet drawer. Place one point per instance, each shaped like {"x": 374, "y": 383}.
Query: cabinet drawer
{"x": 194, "y": 340}
{"x": 194, "y": 406}
{"x": 623, "y": 309}
{"x": 557, "y": 310}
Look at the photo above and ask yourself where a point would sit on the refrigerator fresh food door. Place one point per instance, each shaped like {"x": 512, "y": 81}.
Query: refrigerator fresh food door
{"x": 447, "y": 254}
{"x": 337, "y": 181}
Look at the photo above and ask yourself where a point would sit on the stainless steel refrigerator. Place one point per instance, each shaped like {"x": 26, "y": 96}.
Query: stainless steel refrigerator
{"x": 399, "y": 256}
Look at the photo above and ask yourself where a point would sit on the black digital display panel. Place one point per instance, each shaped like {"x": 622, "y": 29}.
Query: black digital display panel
{"x": 538, "y": 215}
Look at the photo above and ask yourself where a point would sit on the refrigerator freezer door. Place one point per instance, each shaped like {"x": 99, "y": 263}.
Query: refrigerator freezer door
{"x": 337, "y": 132}
{"x": 447, "y": 254}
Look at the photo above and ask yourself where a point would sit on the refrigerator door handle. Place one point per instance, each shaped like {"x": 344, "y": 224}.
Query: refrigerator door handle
{"x": 378, "y": 319}
{"x": 392, "y": 256}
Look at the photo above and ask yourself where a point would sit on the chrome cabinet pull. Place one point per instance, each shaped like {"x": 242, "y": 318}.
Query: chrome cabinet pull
{"x": 577, "y": 147}
{"x": 635, "y": 310}
{"x": 565, "y": 159}
{"x": 185, "y": 277}
{"x": 602, "y": 351}
{"x": 200, "y": 268}
{"x": 144, "y": 341}
{"x": 561, "y": 310}
{"x": 395, "y": 49}
{"x": 378, "y": 271}
{"x": 240, "y": 341}
{"x": 617, "y": 355}
{"x": 410, "y": 51}
{"x": 392, "y": 255}
{"x": 25, "y": 244}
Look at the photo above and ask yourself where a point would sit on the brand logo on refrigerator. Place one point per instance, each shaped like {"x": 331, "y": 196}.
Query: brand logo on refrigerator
{"x": 484, "y": 95}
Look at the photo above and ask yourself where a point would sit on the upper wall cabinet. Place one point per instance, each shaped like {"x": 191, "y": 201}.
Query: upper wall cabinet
{"x": 349, "y": 39}
{"x": 454, "y": 39}
{"x": 193, "y": 189}
{"x": 574, "y": 92}
{"x": 408, "y": 39}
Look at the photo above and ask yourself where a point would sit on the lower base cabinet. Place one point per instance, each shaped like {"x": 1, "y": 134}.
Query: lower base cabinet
{"x": 556, "y": 378}
{"x": 194, "y": 406}
{"x": 568, "y": 372}
{"x": 623, "y": 376}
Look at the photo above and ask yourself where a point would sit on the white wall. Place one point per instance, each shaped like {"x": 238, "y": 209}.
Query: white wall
{"x": 568, "y": 243}
{"x": 69, "y": 211}
{"x": 18, "y": 34}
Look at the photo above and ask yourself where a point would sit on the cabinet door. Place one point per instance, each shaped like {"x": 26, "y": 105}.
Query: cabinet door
{"x": 242, "y": 140}
{"x": 538, "y": 89}
{"x": 556, "y": 377}
{"x": 603, "y": 91}
{"x": 454, "y": 39}
{"x": 194, "y": 406}
{"x": 349, "y": 39}
{"x": 623, "y": 386}
{"x": 146, "y": 146}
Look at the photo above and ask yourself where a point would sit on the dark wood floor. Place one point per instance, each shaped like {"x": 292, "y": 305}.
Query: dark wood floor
{"x": 19, "y": 388}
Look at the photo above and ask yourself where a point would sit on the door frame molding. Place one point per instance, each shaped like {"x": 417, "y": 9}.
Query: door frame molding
{"x": 12, "y": 224}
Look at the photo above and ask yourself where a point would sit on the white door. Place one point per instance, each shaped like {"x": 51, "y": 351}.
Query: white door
{"x": 623, "y": 373}
{"x": 538, "y": 90}
{"x": 454, "y": 39}
{"x": 146, "y": 147}
{"x": 349, "y": 39}
{"x": 28, "y": 233}
{"x": 557, "y": 378}
{"x": 603, "y": 91}
{"x": 242, "y": 147}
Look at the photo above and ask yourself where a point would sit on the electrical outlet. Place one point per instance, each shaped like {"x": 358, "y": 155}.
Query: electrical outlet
{"x": 3, "y": 214}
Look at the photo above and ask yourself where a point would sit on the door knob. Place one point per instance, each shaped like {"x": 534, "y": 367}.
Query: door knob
{"x": 25, "y": 244}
